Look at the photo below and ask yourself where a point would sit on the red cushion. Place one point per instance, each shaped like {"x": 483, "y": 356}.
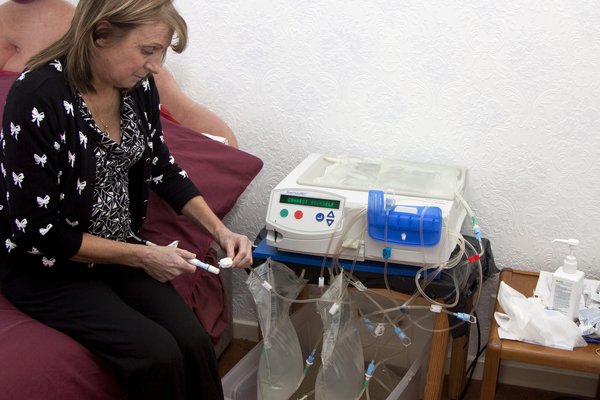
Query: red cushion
{"x": 35, "y": 360}
{"x": 6, "y": 80}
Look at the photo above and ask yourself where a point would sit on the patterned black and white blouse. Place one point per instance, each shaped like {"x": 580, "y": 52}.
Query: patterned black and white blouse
{"x": 110, "y": 210}
{"x": 57, "y": 172}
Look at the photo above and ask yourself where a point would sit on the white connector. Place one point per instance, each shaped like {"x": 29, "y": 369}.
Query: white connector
{"x": 225, "y": 262}
{"x": 360, "y": 286}
{"x": 435, "y": 308}
{"x": 334, "y": 308}
{"x": 379, "y": 330}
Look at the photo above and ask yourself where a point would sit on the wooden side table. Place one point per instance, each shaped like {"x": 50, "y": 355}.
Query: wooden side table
{"x": 580, "y": 359}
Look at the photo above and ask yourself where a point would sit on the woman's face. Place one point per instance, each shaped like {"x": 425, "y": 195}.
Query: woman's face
{"x": 123, "y": 63}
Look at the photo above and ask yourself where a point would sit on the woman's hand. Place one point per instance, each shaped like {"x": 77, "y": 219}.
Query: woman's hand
{"x": 164, "y": 263}
{"x": 238, "y": 247}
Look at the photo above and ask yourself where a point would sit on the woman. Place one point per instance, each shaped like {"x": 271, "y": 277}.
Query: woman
{"x": 82, "y": 147}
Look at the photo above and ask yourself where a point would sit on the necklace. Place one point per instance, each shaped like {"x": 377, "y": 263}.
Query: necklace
{"x": 104, "y": 127}
{"x": 100, "y": 122}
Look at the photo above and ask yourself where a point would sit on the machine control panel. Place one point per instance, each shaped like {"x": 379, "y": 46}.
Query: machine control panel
{"x": 305, "y": 211}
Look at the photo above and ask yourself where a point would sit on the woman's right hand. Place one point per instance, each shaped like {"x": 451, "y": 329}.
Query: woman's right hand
{"x": 164, "y": 263}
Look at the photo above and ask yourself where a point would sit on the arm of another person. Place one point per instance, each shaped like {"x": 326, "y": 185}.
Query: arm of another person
{"x": 189, "y": 113}
{"x": 29, "y": 27}
{"x": 26, "y": 29}
{"x": 7, "y": 49}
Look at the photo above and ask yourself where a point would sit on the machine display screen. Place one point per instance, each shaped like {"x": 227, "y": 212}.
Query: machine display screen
{"x": 309, "y": 201}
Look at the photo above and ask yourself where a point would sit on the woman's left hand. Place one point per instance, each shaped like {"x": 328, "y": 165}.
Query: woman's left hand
{"x": 238, "y": 248}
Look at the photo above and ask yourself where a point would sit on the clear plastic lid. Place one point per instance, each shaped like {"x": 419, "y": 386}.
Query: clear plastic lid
{"x": 399, "y": 177}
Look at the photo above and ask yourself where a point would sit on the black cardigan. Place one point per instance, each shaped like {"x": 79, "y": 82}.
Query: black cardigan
{"x": 48, "y": 170}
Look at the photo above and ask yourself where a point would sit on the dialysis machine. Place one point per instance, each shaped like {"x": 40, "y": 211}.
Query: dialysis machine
{"x": 368, "y": 209}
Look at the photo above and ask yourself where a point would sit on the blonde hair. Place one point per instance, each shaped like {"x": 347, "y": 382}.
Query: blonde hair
{"x": 77, "y": 46}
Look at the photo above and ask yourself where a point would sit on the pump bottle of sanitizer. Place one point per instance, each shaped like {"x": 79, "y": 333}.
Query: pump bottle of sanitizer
{"x": 567, "y": 283}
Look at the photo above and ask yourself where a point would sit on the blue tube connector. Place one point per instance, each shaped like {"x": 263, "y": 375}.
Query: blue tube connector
{"x": 370, "y": 370}
{"x": 310, "y": 360}
{"x": 369, "y": 374}
{"x": 477, "y": 232}
{"x": 465, "y": 317}
{"x": 402, "y": 336}
{"x": 387, "y": 252}
{"x": 370, "y": 326}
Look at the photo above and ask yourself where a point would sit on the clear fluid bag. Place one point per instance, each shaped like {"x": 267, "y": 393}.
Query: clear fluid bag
{"x": 341, "y": 374}
{"x": 280, "y": 368}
